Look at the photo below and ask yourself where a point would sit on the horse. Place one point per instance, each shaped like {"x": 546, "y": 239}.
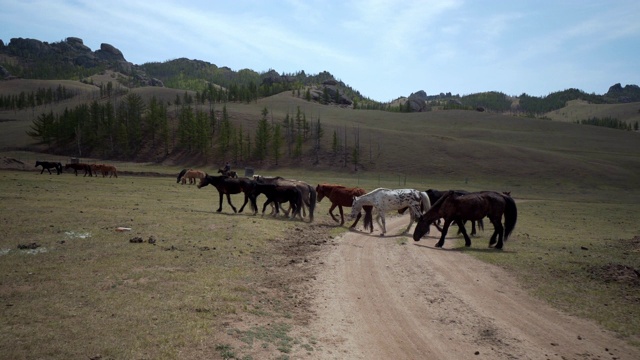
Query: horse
{"x": 387, "y": 199}
{"x": 342, "y": 196}
{"x": 180, "y": 175}
{"x": 434, "y": 195}
{"x": 309, "y": 195}
{"x": 48, "y": 165}
{"x": 104, "y": 170}
{"x": 278, "y": 194}
{"x": 227, "y": 186}
{"x": 80, "y": 166}
{"x": 229, "y": 173}
{"x": 192, "y": 175}
{"x": 472, "y": 206}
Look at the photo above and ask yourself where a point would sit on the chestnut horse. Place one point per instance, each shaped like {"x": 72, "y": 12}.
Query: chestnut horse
{"x": 192, "y": 175}
{"x": 472, "y": 206}
{"x": 343, "y": 196}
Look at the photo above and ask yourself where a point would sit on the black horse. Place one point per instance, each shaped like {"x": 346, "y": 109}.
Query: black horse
{"x": 278, "y": 194}
{"x": 435, "y": 195}
{"x": 472, "y": 206}
{"x": 48, "y": 165}
{"x": 181, "y": 174}
{"x": 309, "y": 195}
{"x": 228, "y": 186}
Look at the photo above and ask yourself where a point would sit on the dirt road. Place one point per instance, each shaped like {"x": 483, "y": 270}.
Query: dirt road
{"x": 379, "y": 299}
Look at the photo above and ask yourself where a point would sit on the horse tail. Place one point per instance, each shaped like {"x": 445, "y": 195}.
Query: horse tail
{"x": 425, "y": 202}
{"x": 368, "y": 218}
{"x": 510, "y": 216}
{"x": 313, "y": 196}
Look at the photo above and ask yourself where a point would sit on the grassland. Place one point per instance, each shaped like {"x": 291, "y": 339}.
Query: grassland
{"x": 88, "y": 291}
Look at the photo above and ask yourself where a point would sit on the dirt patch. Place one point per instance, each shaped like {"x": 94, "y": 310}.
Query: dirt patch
{"x": 616, "y": 273}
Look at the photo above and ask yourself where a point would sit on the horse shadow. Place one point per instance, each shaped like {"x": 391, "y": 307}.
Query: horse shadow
{"x": 464, "y": 249}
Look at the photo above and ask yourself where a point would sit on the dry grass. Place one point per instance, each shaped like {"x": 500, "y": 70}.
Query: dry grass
{"x": 88, "y": 291}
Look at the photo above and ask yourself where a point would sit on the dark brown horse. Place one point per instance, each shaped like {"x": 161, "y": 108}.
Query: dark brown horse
{"x": 80, "y": 166}
{"x": 278, "y": 194}
{"x": 472, "y": 206}
{"x": 228, "y": 186}
{"x": 435, "y": 195}
{"x": 309, "y": 195}
{"x": 229, "y": 173}
{"x": 343, "y": 196}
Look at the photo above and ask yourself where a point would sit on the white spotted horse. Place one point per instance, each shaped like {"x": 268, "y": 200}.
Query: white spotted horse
{"x": 387, "y": 199}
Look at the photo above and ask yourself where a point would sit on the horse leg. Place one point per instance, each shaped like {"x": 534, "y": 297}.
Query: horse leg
{"x": 461, "y": 228}
{"x": 342, "y": 215}
{"x": 498, "y": 233}
{"x": 333, "y": 206}
{"x": 444, "y": 230}
{"x": 356, "y": 222}
{"x": 220, "y": 207}
{"x": 246, "y": 199}
{"x": 230, "y": 204}
{"x": 410, "y": 222}
{"x": 473, "y": 228}
{"x": 383, "y": 225}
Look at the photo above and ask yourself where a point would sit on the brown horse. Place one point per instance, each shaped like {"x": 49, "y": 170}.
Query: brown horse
{"x": 229, "y": 173}
{"x": 104, "y": 169}
{"x": 228, "y": 186}
{"x": 192, "y": 175}
{"x": 342, "y": 196}
{"x": 81, "y": 167}
{"x": 472, "y": 206}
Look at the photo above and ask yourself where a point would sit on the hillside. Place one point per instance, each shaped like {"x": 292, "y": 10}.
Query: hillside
{"x": 122, "y": 111}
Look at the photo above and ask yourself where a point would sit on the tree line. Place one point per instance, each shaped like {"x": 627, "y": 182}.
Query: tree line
{"x": 42, "y": 96}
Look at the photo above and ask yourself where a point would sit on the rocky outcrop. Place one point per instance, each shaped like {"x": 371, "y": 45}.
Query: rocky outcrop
{"x": 418, "y": 101}
{"x": 70, "y": 52}
{"x": 629, "y": 93}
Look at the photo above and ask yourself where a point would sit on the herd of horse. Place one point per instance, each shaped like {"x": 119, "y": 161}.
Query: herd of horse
{"x": 425, "y": 207}
{"x": 89, "y": 169}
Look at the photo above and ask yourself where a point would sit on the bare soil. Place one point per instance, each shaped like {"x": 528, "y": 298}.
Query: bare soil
{"x": 389, "y": 297}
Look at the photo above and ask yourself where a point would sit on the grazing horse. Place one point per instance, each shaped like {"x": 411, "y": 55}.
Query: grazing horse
{"x": 192, "y": 175}
{"x": 180, "y": 175}
{"x": 48, "y": 165}
{"x": 228, "y": 186}
{"x": 229, "y": 173}
{"x": 342, "y": 196}
{"x": 80, "y": 166}
{"x": 435, "y": 195}
{"x": 278, "y": 194}
{"x": 472, "y": 206}
{"x": 387, "y": 199}
{"x": 309, "y": 195}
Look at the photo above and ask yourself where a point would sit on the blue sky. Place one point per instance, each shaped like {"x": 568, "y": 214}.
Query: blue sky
{"x": 384, "y": 49}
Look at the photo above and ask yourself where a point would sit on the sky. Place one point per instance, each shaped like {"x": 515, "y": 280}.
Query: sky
{"x": 383, "y": 49}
